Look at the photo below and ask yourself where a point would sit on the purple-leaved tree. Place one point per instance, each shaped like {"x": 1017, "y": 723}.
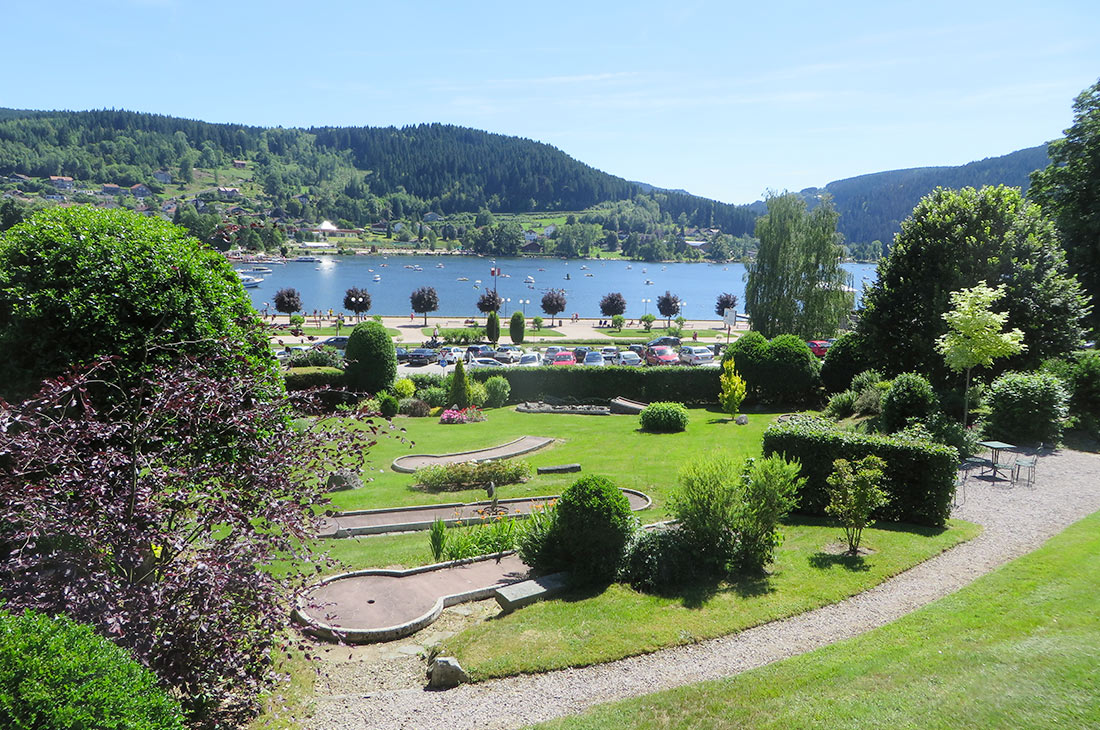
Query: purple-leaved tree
{"x": 155, "y": 513}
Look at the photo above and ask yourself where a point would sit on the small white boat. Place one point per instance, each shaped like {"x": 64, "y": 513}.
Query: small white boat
{"x": 648, "y": 282}
{"x": 589, "y": 274}
{"x": 529, "y": 280}
{"x": 378, "y": 277}
{"x": 439, "y": 265}
{"x": 583, "y": 268}
{"x": 307, "y": 260}
{"x": 463, "y": 278}
{"x": 249, "y": 282}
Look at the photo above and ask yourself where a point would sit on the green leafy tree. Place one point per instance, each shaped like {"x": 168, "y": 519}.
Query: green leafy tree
{"x": 517, "y": 328}
{"x": 424, "y": 300}
{"x": 796, "y": 284}
{"x": 489, "y": 301}
{"x": 370, "y": 357}
{"x": 732, "y": 388}
{"x": 77, "y": 283}
{"x": 854, "y": 495}
{"x": 725, "y": 301}
{"x": 647, "y": 321}
{"x": 492, "y": 327}
{"x": 954, "y": 240}
{"x": 975, "y": 336}
{"x": 1069, "y": 190}
{"x": 617, "y": 321}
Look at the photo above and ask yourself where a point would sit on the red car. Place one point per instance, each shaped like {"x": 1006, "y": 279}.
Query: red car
{"x": 661, "y": 355}
{"x": 564, "y": 358}
{"x": 819, "y": 347}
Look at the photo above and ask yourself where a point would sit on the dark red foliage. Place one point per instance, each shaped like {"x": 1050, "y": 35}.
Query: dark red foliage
{"x": 153, "y": 518}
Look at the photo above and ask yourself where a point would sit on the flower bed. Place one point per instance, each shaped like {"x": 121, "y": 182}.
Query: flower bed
{"x": 464, "y": 415}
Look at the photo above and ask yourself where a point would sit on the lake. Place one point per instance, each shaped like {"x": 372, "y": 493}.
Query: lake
{"x": 460, "y": 280}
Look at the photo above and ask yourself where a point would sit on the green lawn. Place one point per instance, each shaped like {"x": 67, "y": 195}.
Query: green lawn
{"x": 1016, "y": 649}
{"x": 617, "y": 622}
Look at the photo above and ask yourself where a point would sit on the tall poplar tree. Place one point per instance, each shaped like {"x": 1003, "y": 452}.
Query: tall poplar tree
{"x": 796, "y": 285}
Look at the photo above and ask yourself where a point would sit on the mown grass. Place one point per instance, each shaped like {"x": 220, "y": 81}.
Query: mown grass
{"x": 616, "y": 622}
{"x": 1016, "y": 649}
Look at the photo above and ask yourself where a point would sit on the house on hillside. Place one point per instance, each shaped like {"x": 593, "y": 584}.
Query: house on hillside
{"x": 549, "y": 230}
{"x": 431, "y": 217}
{"x": 112, "y": 189}
{"x": 61, "y": 182}
{"x": 140, "y": 190}
{"x": 15, "y": 177}
{"x": 240, "y": 164}
{"x": 162, "y": 176}
{"x": 531, "y": 247}
{"x": 229, "y": 193}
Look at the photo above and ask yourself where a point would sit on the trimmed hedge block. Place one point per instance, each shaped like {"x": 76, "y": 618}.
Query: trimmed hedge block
{"x": 919, "y": 475}
{"x": 306, "y": 378}
{"x": 692, "y": 386}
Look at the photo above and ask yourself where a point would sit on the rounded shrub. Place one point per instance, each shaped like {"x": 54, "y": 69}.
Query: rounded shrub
{"x": 750, "y": 352}
{"x": 55, "y": 673}
{"x": 664, "y": 417}
{"x": 413, "y": 407}
{"x": 478, "y": 394}
{"x": 793, "y": 370}
{"x": 658, "y": 560}
{"x": 404, "y": 388}
{"x": 1026, "y": 408}
{"x": 910, "y": 396}
{"x": 843, "y": 361}
{"x": 388, "y": 406}
{"x": 594, "y": 523}
{"x": 370, "y": 358}
{"x": 435, "y": 396}
{"x": 497, "y": 390}
{"x": 315, "y": 357}
{"x": 77, "y": 283}
{"x": 1085, "y": 389}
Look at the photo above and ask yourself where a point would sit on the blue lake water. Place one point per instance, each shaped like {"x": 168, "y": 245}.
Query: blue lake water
{"x": 322, "y": 286}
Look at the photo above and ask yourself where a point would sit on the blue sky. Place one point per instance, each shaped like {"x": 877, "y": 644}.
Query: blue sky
{"x": 725, "y": 99}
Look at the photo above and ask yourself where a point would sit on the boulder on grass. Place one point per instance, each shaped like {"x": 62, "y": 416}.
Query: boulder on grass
{"x": 446, "y": 673}
{"x": 343, "y": 479}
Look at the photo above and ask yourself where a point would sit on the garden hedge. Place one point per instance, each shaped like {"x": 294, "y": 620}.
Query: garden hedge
{"x": 688, "y": 385}
{"x": 919, "y": 476}
{"x": 305, "y": 378}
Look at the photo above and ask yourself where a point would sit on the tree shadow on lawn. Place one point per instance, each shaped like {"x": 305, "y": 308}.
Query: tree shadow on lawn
{"x": 853, "y": 563}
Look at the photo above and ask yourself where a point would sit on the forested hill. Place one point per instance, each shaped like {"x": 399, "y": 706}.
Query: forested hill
{"x": 359, "y": 174}
{"x": 873, "y": 206}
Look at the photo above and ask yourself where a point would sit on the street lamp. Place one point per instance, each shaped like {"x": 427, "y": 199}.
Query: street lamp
{"x": 646, "y": 303}
{"x": 525, "y": 302}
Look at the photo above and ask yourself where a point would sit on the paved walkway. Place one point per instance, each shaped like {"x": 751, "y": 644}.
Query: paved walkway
{"x": 523, "y": 445}
{"x": 1017, "y": 520}
{"x": 404, "y": 519}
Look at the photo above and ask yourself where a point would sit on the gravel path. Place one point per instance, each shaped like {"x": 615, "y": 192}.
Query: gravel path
{"x": 1017, "y": 520}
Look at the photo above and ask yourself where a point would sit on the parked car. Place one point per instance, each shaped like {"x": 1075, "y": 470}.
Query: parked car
{"x": 661, "y": 355}
{"x": 529, "y": 360}
{"x": 479, "y": 351}
{"x": 594, "y": 357}
{"x": 402, "y": 354}
{"x": 664, "y": 341}
{"x": 483, "y": 362}
{"x": 638, "y": 350}
{"x": 818, "y": 347}
{"x": 340, "y": 343}
{"x": 548, "y": 356}
{"x": 609, "y": 352}
{"x": 422, "y": 356}
{"x": 451, "y": 354}
{"x": 628, "y": 358}
{"x": 580, "y": 352}
{"x": 565, "y": 357}
{"x": 695, "y": 355}
{"x": 508, "y": 353}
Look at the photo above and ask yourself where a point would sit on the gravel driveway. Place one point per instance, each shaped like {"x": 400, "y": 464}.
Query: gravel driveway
{"x": 1016, "y": 519}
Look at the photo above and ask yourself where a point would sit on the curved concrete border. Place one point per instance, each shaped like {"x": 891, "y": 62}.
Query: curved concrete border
{"x": 626, "y": 406}
{"x": 507, "y": 451}
{"x": 460, "y": 513}
{"x": 328, "y": 632}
